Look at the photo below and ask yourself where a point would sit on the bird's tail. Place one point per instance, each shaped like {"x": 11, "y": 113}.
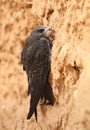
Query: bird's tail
{"x": 48, "y": 95}
{"x": 31, "y": 113}
{"x": 35, "y": 96}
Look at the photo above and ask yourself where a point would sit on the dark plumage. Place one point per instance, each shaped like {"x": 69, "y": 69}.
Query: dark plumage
{"x": 36, "y": 61}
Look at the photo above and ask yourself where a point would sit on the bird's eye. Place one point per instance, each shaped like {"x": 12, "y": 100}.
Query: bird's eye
{"x": 41, "y": 30}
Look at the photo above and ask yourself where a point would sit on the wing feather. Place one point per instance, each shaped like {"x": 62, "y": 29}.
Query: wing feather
{"x": 39, "y": 73}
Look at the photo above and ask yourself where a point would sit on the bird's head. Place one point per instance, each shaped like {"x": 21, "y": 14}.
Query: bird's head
{"x": 42, "y": 31}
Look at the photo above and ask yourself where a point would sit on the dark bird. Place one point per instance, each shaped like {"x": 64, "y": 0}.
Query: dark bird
{"x": 36, "y": 60}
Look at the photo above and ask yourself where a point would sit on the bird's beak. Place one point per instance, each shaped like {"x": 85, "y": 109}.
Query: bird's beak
{"x": 48, "y": 31}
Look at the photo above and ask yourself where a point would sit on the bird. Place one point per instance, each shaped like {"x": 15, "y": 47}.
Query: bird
{"x": 36, "y": 61}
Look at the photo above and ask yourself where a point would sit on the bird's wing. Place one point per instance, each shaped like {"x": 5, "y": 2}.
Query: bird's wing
{"x": 39, "y": 72}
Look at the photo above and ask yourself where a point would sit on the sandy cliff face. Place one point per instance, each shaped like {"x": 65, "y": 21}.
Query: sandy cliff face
{"x": 70, "y": 74}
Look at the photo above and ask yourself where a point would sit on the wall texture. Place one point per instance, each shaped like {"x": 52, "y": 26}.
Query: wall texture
{"x": 70, "y": 74}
